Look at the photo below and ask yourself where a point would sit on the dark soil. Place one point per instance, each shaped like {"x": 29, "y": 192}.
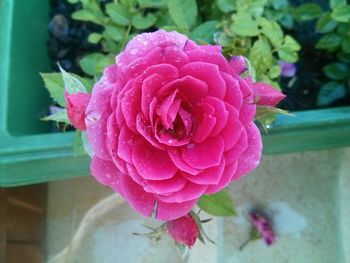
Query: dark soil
{"x": 68, "y": 38}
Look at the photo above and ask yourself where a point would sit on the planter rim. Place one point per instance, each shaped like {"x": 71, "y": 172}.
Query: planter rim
{"x": 46, "y": 157}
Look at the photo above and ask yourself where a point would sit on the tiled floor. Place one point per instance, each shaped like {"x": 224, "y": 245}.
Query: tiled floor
{"x": 300, "y": 191}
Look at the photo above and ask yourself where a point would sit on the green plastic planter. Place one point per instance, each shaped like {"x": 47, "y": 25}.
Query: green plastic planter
{"x": 31, "y": 153}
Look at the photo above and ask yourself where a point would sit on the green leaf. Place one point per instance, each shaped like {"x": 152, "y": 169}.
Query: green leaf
{"x": 72, "y": 84}
{"x": 73, "y": 1}
{"x": 205, "y": 32}
{"x": 60, "y": 116}
{"x": 219, "y": 204}
{"x": 94, "y": 38}
{"x": 114, "y": 32}
{"x": 308, "y": 11}
{"x": 345, "y": 44}
{"x": 334, "y": 3}
{"x": 226, "y": 6}
{"x": 54, "y": 84}
{"x": 330, "y": 92}
{"x": 254, "y": 7}
{"x": 184, "y": 13}
{"x": 261, "y": 56}
{"x": 325, "y": 23}
{"x": 86, "y": 15}
{"x": 86, "y": 144}
{"x": 244, "y": 25}
{"x": 291, "y": 44}
{"x": 152, "y": 3}
{"x": 272, "y": 31}
{"x": 330, "y": 41}
{"x": 274, "y": 72}
{"x": 78, "y": 147}
{"x": 182, "y": 250}
{"x": 341, "y": 13}
{"x": 94, "y": 63}
{"x": 118, "y": 13}
{"x": 287, "y": 55}
{"x": 142, "y": 22}
{"x": 279, "y": 4}
{"x": 336, "y": 71}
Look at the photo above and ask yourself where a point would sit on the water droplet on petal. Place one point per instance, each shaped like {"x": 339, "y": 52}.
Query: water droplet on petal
{"x": 92, "y": 117}
{"x": 133, "y": 51}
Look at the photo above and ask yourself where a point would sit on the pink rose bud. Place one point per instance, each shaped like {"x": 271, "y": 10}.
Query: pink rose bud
{"x": 183, "y": 230}
{"x": 263, "y": 226}
{"x": 76, "y": 105}
{"x": 266, "y": 95}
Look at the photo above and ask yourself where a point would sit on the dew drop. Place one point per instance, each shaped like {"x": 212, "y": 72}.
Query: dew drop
{"x": 92, "y": 117}
{"x": 133, "y": 51}
{"x": 190, "y": 146}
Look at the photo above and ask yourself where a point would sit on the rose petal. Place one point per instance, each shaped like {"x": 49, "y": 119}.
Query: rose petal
{"x": 130, "y": 106}
{"x": 209, "y": 73}
{"x": 225, "y": 179}
{"x": 238, "y": 64}
{"x": 104, "y": 171}
{"x": 212, "y": 58}
{"x": 191, "y": 88}
{"x": 171, "y": 185}
{"x": 208, "y": 176}
{"x": 233, "y": 129}
{"x": 176, "y": 156}
{"x": 137, "y": 198}
{"x": 233, "y": 92}
{"x": 125, "y": 144}
{"x": 235, "y": 152}
{"x": 220, "y": 114}
{"x": 97, "y": 114}
{"x": 147, "y": 132}
{"x": 144, "y": 43}
{"x": 170, "y": 211}
{"x": 189, "y": 192}
{"x": 250, "y": 158}
{"x": 152, "y": 163}
{"x": 204, "y": 155}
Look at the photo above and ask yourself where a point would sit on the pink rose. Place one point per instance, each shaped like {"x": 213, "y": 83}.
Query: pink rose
{"x": 171, "y": 121}
{"x": 183, "y": 230}
{"x": 76, "y": 106}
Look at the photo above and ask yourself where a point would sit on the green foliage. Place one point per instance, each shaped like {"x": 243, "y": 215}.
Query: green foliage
{"x": 255, "y": 29}
{"x": 184, "y": 13}
{"x": 334, "y": 25}
{"x": 60, "y": 116}
{"x": 242, "y": 27}
{"x": 219, "y": 204}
